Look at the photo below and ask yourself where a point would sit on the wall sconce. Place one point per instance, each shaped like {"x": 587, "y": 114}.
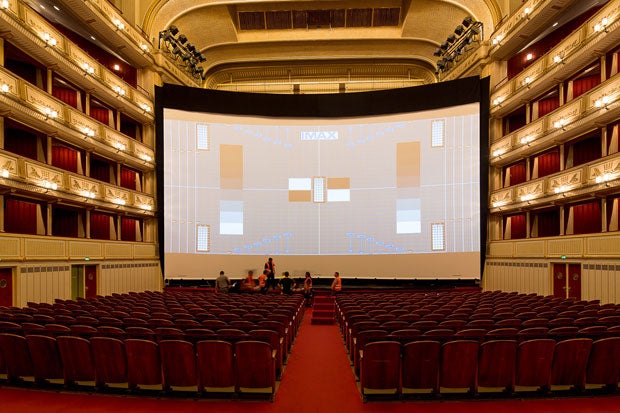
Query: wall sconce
{"x": 498, "y": 101}
{"x": 119, "y": 90}
{"x": 602, "y": 102}
{"x": 527, "y": 12}
{"x": 50, "y": 185}
{"x": 49, "y": 40}
{"x": 497, "y": 40}
{"x": 88, "y": 69}
{"x": 559, "y": 124}
{"x": 5, "y": 173}
{"x": 88, "y": 132}
{"x": 559, "y": 58}
{"x": 146, "y": 108}
{"x": 526, "y": 139}
{"x": 602, "y": 26}
{"x": 606, "y": 177}
{"x": 560, "y": 189}
{"x": 146, "y": 207}
{"x": 49, "y": 113}
{"x": 527, "y": 198}
{"x": 4, "y": 4}
{"x": 146, "y": 158}
{"x": 4, "y": 88}
{"x": 88, "y": 195}
{"x": 119, "y": 146}
{"x": 498, "y": 152}
{"x": 119, "y": 24}
{"x": 119, "y": 201}
{"x": 145, "y": 48}
{"x": 527, "y": 81}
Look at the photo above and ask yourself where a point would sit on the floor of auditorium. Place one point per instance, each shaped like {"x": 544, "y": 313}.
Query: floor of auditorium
{"x": 317, "y": 378}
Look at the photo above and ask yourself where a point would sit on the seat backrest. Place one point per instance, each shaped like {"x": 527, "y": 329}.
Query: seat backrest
{"x": 178, "y": 361}
{"x": 604, "y": 362}
{"x": 45, "y": 357}
{"x": 143, "y": 362}
{"x": 380, "y": 365}
{"x": 77, "y": 360}
{"x": 570, "y": 360}
{"x": 496, "y": 363}
{"x": 420, "y": 365}
{"x": 110, "y": 359}
{"x": 255, "y": 365}
{"x": 459, "y": 360}
{"x": 534, "y": 360}
{"x": 215, "y": 364}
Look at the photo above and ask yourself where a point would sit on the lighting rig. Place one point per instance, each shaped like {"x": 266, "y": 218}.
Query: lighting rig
{"x": 183, "y": 53}
{"x": 466, "y": 33}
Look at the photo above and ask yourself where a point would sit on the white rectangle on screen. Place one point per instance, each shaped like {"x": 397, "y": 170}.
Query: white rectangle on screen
{"x": 318, "y": 194}
{"x": 408, "y": 216}
{"x": 203, "y": 238}
{"x": 338, "y": 195}
{"x": 231, "y": 217}
{"x": 300, "y": 184}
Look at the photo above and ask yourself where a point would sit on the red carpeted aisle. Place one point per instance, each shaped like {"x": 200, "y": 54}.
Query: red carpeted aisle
{"x": 318, "y": 378}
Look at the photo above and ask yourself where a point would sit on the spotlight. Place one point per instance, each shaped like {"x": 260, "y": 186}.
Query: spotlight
{"x": 475, "y": 29}
{"x": 451, "y": 39}
{"x": 173, "y": 30}
{"x": 441, "y": 64}
{"x": 438, "y": 52}
{"x": 190, "y": 47}
{"x": 467, "y": 21}
{"x": 444, "y": 46}
{"x": 459, "y": 30}
{"x": 182, "y": 38}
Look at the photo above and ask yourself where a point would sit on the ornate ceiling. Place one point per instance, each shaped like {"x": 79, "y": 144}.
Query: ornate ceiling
{"x": 282, "y": 36}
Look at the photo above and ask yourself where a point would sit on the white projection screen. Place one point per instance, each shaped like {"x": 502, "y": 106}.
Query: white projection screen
{"x": 377, "y": 195}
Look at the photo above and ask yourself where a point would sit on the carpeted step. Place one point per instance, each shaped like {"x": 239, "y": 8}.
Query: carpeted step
{"x": 322, "y": 320}
{"x": 322, "y": 313}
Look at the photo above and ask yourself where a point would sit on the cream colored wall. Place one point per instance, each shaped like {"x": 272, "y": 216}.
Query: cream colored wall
{"x": 522, "y": 276}
{"x": 41, "y": 283}
{"x": 119, "y": 277}
{"x": 601, "y": 281}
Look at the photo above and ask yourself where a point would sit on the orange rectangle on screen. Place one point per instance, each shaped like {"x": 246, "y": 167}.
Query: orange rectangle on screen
{"x": 231, "y": 166}
{"x": 299, "y": 196}
{"x": 338, "y": 183}
{"x": 407, "y": 164}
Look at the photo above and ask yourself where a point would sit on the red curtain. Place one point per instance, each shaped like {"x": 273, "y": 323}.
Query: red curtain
{"x": 128, "y": 229}
{"x": 20, "y": 216}
{"x": 99, "y": 170}
{"x": 69, "y": 96}
{"x": 586, "y": 150}
{"x": 101, "y": 114}
{"x": 128, "y": 178}
{"x": 517, "y": 226}
{"x": 65, "y": 158}
{"x": 548, "y": 163}
{"x": 514, "y": 122}
{"x": 581, "y": 86}
{"x": 517, "y": 173}
{"x": 547, "y": 105}
{"x": 587, "y": 218}
{"x": 21, "y": 142}
{"x": 99, "y": 226}
{"x": 548, "y": 224}
{"x": 65, "y": 223}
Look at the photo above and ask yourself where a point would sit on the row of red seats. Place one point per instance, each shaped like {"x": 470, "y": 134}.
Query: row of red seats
{"x": 388, "y": 367}
{"x": 209, "y": 366}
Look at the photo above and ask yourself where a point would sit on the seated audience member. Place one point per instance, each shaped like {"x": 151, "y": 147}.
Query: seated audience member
{"x": 222, "y": 283}
{"x": 337, "y": 283}
{"x": 287, "y": 284}
{"x": 250, "y": 282}
{"x": 262, "y": 282}
{"x": 308, "y": 289}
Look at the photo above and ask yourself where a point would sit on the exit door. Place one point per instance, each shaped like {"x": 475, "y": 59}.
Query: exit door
{"x": 6, "y": 287}
{"x": 90, "y": 280}
{"x": 567, "y": 281}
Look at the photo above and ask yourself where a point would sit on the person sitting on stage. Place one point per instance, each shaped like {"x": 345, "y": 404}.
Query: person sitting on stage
{"x": 262, "y": 282}
{"x": 222, "y": 283}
